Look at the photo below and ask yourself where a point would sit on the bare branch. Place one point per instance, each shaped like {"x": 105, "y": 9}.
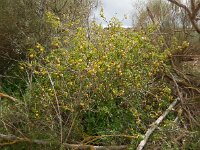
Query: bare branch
{"x": 150, "y": 15}
{"x": 155, "y": 125}
{"x": 181, "y": 5}
{"x": 192, "y": 4}
{"x": 196, "y": 10}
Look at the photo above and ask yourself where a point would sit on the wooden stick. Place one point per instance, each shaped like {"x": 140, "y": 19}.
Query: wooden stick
{"x": 155, "y": 125}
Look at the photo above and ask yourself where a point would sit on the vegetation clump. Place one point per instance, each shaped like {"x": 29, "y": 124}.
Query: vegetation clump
{"x": 81, "y": 86}
{"x": 91, "y": 85}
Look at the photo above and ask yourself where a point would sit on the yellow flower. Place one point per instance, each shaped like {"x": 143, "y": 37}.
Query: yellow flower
{"x": 31, "y": 56}
{"x": 36, "y": 72}
{"x": 58, "y": 65}
{"x": 70, "y": 83}
{"x": 22, "y": 68}
{"x": 118, "y": 66}
{"x": 37, "y": 115}
{"x": 38, "y": 45}
{"x": 42, "y": 49}
{"x": 185, "y": 44}
{"x": 120, "y": 73}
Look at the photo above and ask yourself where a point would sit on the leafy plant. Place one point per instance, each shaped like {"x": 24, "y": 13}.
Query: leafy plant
{"x": 91, "y": 84}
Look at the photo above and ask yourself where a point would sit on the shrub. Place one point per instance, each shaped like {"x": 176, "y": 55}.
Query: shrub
{"x": 91, "y": 84}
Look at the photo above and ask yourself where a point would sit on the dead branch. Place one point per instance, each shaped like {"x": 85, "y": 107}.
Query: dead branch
{"x": 14, "y": 139}
{"x": 155, "y": 125}
{"x": 2, "y": 95}
{"x": 177, "y": 88}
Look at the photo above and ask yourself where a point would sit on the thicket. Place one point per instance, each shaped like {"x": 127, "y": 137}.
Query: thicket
{"x": 93, "y": 86}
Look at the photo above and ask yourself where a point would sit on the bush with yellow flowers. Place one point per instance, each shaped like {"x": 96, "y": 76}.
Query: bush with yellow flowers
{"x": 95, "y": 83}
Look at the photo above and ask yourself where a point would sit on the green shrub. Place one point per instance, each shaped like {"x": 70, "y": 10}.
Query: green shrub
{"x": 92, "y": 84}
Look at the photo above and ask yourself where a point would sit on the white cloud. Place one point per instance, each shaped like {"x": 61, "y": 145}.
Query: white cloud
{"x": 116, "y": 8}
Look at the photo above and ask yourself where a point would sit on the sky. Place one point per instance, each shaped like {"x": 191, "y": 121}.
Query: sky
{"x": 119, "y": 8}
{"x": 115, "y": 8}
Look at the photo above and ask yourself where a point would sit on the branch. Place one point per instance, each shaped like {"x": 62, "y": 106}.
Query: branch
{"x": 192, "y": 14}
{"x": 155, "y": 124}
{"x": 14, "y": 139}
{"x": 150, "y": 14}
{"x": 195, "y": 25}
{"x": 195, "y": 12}
{"x": 2, "y": 95}
{"x": 182, "y": 6}
{"x": 192, "y": 4}
{"x": 177, "y": 88}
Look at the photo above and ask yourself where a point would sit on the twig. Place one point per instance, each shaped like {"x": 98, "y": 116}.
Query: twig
{"x": 177, "y": 88}
{"x": 58, "y": 107}
{"x": 2, "y": 95}
{"x": 155, "y": 124}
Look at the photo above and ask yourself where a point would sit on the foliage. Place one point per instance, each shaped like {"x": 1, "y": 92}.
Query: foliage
{"x": 23, "y": 23}
{"x": 102, "y": 86}
{"x": 90, "y": 84}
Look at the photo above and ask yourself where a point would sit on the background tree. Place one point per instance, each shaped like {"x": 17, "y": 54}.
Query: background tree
{"x": 192, "y": 10}
{"x": 171, "y": 19}
{"x": 22, "y": 24}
